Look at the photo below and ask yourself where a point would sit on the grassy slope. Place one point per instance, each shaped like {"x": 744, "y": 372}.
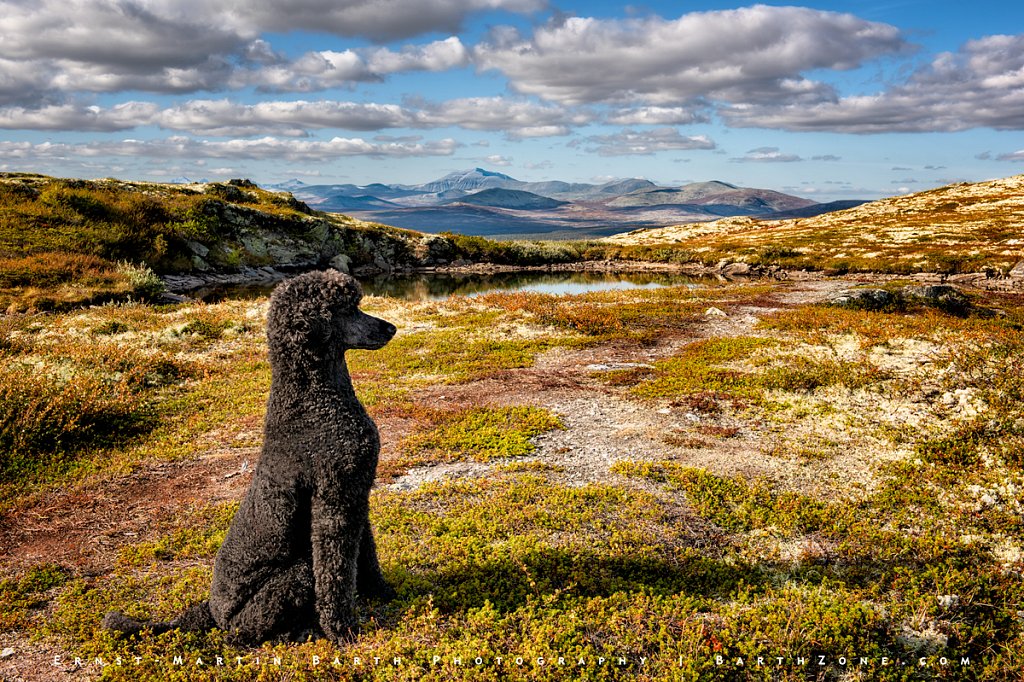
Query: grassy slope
{"x": 71, "y": 242}
{"x": 958, "y": 228}
{"x": 520, "y": 562}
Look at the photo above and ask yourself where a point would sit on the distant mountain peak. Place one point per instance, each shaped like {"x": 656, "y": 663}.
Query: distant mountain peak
{"x": 469, "y": 180}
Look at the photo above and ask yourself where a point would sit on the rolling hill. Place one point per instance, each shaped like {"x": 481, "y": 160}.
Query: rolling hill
{"x": 508, "y": 198}
{"x": 965, "y": 227}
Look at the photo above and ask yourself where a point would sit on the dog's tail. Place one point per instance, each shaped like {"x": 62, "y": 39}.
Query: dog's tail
{"x": 196, "y": 618}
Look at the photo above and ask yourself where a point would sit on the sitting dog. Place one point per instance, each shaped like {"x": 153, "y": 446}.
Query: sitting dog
{"x": 301, "y": 547}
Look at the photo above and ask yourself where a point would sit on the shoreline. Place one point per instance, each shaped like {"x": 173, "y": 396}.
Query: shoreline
{"x": 179, "y": 285}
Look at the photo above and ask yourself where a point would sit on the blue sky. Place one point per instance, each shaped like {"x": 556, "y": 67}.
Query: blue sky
{"x": 826, "y": 100}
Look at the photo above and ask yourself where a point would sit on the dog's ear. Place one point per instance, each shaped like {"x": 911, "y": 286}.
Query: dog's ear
{"x": 316, "y": 325}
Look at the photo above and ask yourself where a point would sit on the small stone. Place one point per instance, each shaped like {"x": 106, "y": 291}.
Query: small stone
{"x": 715, "y": 312}
{"x": 197, "y": 248}
{"x": 341, "y": 263}
{"x": 735, "y": 269}
{"x": 7, "y": 653}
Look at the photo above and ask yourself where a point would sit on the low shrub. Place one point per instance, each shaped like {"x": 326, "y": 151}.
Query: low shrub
{"x": 44, "y": 418}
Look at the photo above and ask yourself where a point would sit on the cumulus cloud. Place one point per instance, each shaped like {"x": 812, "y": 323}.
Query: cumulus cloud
{"x": 752, "y": 54}
{"x": 766, "y": 155}
{"x": 1012, "y": 156}
{"x": 75, "y": 117}
{"x": 380, "y": 20}
{"x": 212, "y": 117}
{"x": 262, "y": 148}
{"x": 981, "y": 85}
{"x": 631, "y": 142}
{"x": 330, "y": 69}
{"x": 664, "y": 116}
{"x": 60, "y": 46}
{"x": 223, "y": 117}
{"x": 498, "y": 160}
{"x": 127, "y": 36}
{"x": 517, "y": 118}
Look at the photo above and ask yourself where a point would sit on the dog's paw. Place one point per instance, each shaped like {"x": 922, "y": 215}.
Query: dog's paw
{"x": 379, "y": 592}
{"x": 343, "y": 635}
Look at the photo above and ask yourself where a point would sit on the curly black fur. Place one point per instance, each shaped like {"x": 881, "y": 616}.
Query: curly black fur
{"x": 300, "y": 546}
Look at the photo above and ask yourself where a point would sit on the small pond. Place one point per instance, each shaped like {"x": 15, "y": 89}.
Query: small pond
{"x": 433, "y": 285}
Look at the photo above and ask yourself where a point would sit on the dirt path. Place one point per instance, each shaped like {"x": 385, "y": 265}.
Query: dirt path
{"x": 603, "y": 426}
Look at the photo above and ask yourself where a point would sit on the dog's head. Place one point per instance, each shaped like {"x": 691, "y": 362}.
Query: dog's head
{"x": 318, "y": 312}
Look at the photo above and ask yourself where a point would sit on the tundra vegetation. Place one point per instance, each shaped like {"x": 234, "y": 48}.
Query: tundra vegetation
{"x": 780, "y": 478}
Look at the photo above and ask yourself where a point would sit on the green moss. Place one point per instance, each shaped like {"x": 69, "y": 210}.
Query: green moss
{"x": 451, "y": 355}
{"x": 698, "y": 369}
{"x": 20, "y": 596}
{"x": 482, "y": 434}
{"x": 732, "y": 503}
{"x": 200, "y": 535}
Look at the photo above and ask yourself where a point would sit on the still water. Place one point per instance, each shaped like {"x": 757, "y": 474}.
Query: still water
{"x": 425, "y": 286}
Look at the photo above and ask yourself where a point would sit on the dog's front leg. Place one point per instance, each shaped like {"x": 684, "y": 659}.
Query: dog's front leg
{"x": 370, "y": 581}
{"x": 337, "y": 528}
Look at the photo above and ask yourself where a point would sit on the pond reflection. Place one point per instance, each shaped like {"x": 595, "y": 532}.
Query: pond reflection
{"x": 435, "y": 285}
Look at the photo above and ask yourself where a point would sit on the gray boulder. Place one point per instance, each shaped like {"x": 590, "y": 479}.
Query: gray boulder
{"x": 863, "y": 299}
{"x": 940, "y": 296}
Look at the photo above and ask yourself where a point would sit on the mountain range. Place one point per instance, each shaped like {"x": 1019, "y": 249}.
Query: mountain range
{"x": 492, "y": 204}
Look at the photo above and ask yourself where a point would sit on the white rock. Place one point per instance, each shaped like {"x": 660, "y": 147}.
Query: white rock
{"x": 7, "y": 653}
{"x": 715, "y": 312}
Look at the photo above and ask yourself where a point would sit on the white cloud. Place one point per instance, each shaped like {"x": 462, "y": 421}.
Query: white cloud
{"x": 439, "y": 55}
{"x": 982, "y": 85}
{"x": 517, "y": 118}
{"x": 330, "y": 69}
{"x": 262, "y": 148}
{"x": 55, "y": 47}
{"x": 378, "y": 20}
{"x": 127, "y": 36}
{"x": 766, "y": 155}
{"x": 223, "y": 117}
{"x": 1012, "y": 156}
{"x": 498, "y": 160}
{"x": 631, "y": 142}
{"x": 73, "y": 117}
{"x": 752, "y": 54}
{"x": 664, "y": 116}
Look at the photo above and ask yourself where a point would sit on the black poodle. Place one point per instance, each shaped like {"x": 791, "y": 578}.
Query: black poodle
{"x": 300, "y": 547}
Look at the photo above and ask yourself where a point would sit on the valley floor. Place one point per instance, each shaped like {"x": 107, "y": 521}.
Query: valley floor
{"x": 724, "y": 481}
